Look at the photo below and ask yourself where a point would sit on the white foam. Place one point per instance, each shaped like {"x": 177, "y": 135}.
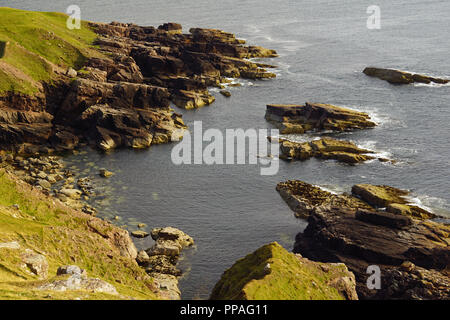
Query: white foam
{"x": 431, "y": 85}
{"x": 371, "y": 145}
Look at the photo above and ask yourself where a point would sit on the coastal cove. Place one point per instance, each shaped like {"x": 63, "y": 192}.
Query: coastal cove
{"x": 231, "y": 210}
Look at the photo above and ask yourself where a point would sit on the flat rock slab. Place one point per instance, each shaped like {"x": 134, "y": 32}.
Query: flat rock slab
{"x": 316, "y": 116}
{"x": 402, "y": 77}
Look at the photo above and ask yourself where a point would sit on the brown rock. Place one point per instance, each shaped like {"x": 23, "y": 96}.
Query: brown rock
{"x": 325, "y": 148}
{"x": 315, "y": 116}
{"x": 401, "y": 77}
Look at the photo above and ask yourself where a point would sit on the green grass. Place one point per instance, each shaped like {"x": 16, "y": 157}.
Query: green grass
{"x": 288, "y": 279}
{"x": 64, "y": 238}
{"x": 38, "y": 42}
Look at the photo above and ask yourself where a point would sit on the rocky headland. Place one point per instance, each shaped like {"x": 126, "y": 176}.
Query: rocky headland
{"x": 401, "y": 77}
{"x": 374, "y": 226}
{"x": 273, "y": 273}
{"x": 107, "y": 86}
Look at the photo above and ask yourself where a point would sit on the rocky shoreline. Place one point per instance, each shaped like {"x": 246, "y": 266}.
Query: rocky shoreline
{"x": 119, "y": 98}
{"x": 122, "y": 98}
{"x": 374, "y": 226}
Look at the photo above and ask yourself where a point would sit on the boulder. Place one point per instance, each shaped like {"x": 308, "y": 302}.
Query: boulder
{"x": 140, "y": 234}
{"x": 316, "y": 116}
{"x": 71, "y": 193}
{"x": 272, "y": 273}
{"x": 105, "y": 173}
{"x": 36, "y": 263}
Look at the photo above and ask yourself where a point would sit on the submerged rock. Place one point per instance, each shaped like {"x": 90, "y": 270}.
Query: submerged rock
{"x": 401, "y": 77}
{"x": 105, "y": 173}
{"x": 225, "y": 93}
{"x": 316, "y": 116}
{"x": 272, "y": 273}
{"x": 325, "y": 148}
{"x": 121, "y": 96}
{"x": 355, "y": 231}
{"x": 77, "y": 280}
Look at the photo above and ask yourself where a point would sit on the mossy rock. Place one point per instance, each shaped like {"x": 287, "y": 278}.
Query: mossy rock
{"x": 392, "y": 199}
{"x": 303, "y": 198}
{"x": 380, "y": 196}
{"x": 273, "y": 273}
{"x": 2, "y": 48}
{"x": 410, "y": 210}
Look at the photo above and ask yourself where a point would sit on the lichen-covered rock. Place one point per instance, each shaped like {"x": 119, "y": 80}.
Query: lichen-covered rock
{"x": 303, "y": 198}
{"x": 77, "y": 280}
{"x": 316, "y": 116}
{"x": 272, "y": 273}
{"x": 160, "y": 260}
{"x": 325, "y": 148}
{"x": 401, "y": 77}
{"x": 392, "y": 199}
{"x": 36, "y": 263}
{"x": 365, "y": 238}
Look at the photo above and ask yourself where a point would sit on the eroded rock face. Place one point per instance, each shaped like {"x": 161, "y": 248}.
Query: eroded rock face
{"x": 316, "y": 116}
{"x": 77, "y": 280}
{"x": 122, "y": 98}
{"x": 344, "y": 228}
{"x": 401, "y": 77}
{"x": 393, "y": 199}
{"x": 325, "y": 148}
{"x": 272, "y": 273}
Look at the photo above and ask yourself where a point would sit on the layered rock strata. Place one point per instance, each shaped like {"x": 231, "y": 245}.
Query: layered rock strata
{"x": 316, "y": 116}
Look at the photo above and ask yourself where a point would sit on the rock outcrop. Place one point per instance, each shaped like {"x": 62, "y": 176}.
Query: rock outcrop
{"x": 272, "y": 273}
{"x": 160, "y": 260}
{"x": 121, "y": 96}
{"x": 303, "y": 198}
{"x": 365, "y": 238}
{"x": 316, "y": 116}
{"x": 410, "y": 251}
{"x": 325, "y": 148}
{"x": 75, "y": 278}
{"x": 401, "y": 77}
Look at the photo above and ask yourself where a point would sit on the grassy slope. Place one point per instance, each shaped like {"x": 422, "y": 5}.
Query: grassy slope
{"x": 288, "y": 279}
{"x": 64, "y": 238}
{"x": 39, "y": 42}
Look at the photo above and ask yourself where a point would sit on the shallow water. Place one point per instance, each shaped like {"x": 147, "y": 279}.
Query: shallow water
{"x": 323, "y": 46}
